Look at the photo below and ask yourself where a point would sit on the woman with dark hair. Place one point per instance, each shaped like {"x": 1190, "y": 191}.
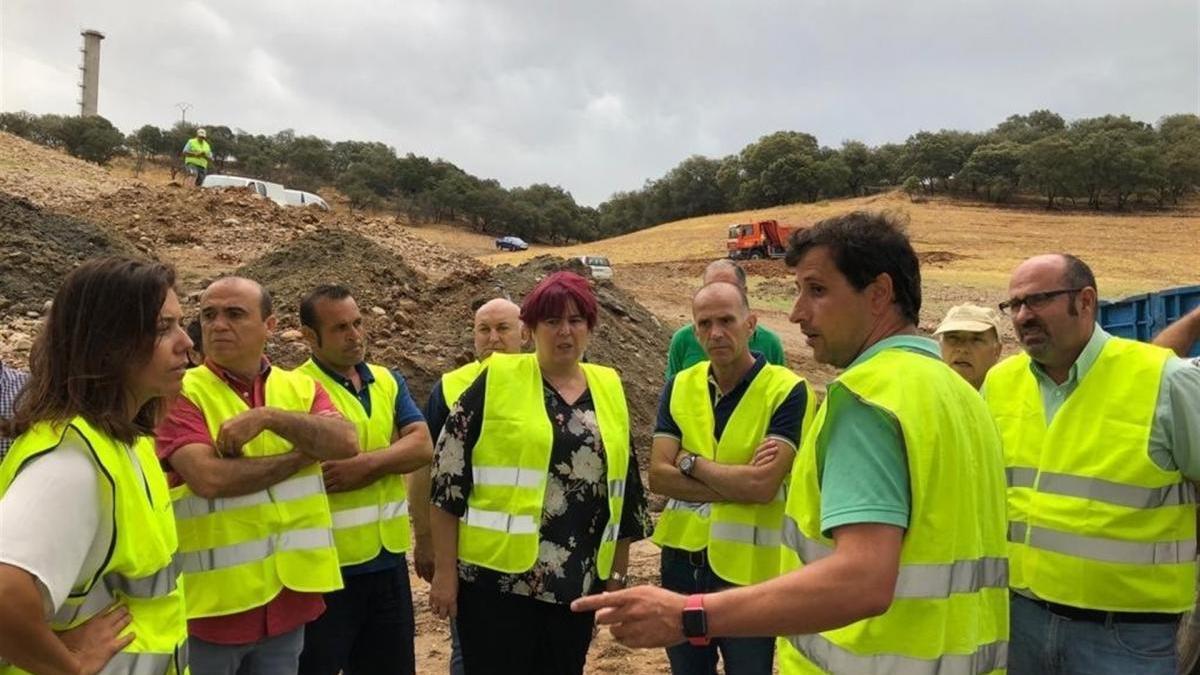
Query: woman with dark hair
{"x": 87, "y": 535}
{"x": 536, "y": 493}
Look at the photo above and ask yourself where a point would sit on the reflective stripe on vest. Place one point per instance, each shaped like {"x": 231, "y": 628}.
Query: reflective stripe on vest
{"x": 237, "y": 553}
{"x": 359, "y": 537}
{"x": 1094, "y": 522}
{"x": 289, "y": 490}
{"x": 1102, "y": 490}
{"x": 142, "y": 568}
{"x": 949, "y": 610}
{"x": 1104, "y": 550}
{"x": 834, "y": 659}
{"x": 742, "y": 539}
{"x": 113, "y": 586}
{"x": 500, "y": 529}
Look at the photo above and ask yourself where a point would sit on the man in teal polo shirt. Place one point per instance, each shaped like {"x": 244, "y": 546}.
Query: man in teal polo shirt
{"x": 894, "y": 535}
{"x": 685, "y": 349}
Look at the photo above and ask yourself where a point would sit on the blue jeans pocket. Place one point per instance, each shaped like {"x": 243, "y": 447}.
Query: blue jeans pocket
{"x": 1146, "y": 639}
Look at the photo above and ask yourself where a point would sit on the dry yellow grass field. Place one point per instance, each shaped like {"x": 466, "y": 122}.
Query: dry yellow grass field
{"x": 1129, "y": 253}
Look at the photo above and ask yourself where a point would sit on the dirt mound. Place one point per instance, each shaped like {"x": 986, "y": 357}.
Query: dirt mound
{"x": 208, "y": 231}
{"x": 38, "y": 248}
{"x": 50, "y": 178}
{"x": 422, "y": 326}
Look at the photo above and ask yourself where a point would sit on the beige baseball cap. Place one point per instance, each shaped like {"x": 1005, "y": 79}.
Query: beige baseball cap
{"x": 970, "y": 318}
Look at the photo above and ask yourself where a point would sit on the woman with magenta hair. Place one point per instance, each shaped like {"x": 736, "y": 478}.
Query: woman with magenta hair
{"x": 536, "y": 492}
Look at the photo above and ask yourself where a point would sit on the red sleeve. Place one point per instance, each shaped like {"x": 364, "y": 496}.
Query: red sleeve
{"x": 322, "y": 404}
{"x": 183, "y": 425}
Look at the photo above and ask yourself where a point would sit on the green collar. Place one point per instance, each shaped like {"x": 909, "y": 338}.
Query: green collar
{"x": 915, "y": 343}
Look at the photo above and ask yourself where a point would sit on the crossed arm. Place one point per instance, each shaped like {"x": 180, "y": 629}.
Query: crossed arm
{"x": 218, "y": 470}
{"x": 754, "y": 483}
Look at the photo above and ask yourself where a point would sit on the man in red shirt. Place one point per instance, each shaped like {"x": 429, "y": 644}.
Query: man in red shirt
{"x": 235, "y": 473}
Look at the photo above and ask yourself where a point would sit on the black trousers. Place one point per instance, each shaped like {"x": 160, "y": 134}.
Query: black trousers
{"x": 367, "y": 628}
{"x": 510, "y": 634}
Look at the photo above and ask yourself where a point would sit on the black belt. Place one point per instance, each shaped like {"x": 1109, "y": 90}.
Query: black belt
{"x": 694, "y": 558}
{"x": 1100, "y": 616}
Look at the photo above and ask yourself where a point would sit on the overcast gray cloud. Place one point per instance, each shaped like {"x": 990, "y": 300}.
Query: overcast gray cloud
{"x": 599, "y": 96}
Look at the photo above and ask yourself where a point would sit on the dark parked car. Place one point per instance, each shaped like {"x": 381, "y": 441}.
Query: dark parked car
{"x": 511, "y": 244}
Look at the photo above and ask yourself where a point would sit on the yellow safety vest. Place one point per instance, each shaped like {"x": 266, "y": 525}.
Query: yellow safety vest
{"x": 949, "y": 613}
{"x": 455, "y": 382}
{"x": 374, "y": 517}
{"x": 1093, "y": 521}
{"x": 511, "y": 462}
{"x": 197, "y": 145}
{"x": 240, "y": 552}
{"x": 742, "y": 539}
{"x": 142, "y": 570}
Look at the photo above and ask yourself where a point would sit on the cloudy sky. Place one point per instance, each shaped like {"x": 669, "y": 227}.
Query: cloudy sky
{"x": 598, "y": 96}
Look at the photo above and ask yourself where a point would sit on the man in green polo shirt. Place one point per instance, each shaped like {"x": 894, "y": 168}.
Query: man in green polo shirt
{"x": 685, "y": 350}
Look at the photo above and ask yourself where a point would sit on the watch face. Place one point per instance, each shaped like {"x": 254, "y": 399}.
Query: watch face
{"x": 686, "y": 464}
{"x": 695, "y": 623}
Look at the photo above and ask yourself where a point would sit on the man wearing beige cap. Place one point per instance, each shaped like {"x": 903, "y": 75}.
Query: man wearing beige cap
{"x": 970, "y": 337}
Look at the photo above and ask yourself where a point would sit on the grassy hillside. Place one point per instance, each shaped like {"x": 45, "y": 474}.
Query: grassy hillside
{"x": 965, "y": 243}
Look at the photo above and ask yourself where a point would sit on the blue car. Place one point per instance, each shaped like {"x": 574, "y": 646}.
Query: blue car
{"x": 511, "y": 244}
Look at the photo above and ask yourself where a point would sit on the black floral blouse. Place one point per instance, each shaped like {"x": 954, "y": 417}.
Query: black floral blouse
{"x": 575, "y": 509}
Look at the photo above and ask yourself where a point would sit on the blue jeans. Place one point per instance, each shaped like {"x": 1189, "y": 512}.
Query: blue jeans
{"x": 272, "y": 656}
{"x": 690, "y": 573}
{"x": 1044, "y": 642}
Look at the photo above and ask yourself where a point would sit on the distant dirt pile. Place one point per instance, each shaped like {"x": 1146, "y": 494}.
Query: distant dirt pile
{"x": 422, "y": 326}
{"x": 216, "y": 229}
{"x": 47, "y": 177}
{"x": 38, "y": 248}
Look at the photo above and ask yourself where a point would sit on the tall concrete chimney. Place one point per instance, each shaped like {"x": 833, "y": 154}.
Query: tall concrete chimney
{"x": 89, "y": 83}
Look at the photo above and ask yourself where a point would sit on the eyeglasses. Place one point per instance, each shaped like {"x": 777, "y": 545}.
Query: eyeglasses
{"x": 1034, "y": 301}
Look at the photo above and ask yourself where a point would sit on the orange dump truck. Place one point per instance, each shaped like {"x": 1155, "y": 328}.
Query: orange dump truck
{"x": 760, "y": 239}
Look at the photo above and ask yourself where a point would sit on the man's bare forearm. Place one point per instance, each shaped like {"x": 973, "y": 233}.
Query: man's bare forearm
{"x": 211, "y": 477}
{"x": 1181, "y": 335}
{"x": 852, "y": 584}
{"x": 745, "y": 483}
{"x": 408, "y": 453}
{"x": 666, "y": 479}
{"x": 420, "y": 485}
{"x": 318, "y": 436}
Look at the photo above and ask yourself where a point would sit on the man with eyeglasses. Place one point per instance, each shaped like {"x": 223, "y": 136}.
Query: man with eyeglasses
{"x": 1101, "y": 442}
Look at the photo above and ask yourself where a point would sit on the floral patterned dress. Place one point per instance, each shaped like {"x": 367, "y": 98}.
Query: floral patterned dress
{"x": 575, "y": 509}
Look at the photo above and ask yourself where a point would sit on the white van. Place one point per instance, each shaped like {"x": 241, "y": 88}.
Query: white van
{"x": 601, "y": 269}
{"x": 273, "y": 191}
{"x": 303, "y": 198}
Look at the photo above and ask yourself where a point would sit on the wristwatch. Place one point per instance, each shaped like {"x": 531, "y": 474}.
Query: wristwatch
{"x": 695, "y": 621}
{"x": 617, "y": 577}
{"x": 687, "y": 464}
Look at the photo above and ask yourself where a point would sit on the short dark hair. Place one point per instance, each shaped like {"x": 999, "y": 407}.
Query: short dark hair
{"x": 308, "y": 305}
{"x": 1077, "y": 273}
{"x": 102, "y": 325}
{"x": 550, "y": 297}
{"x": 863, "y": 245}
